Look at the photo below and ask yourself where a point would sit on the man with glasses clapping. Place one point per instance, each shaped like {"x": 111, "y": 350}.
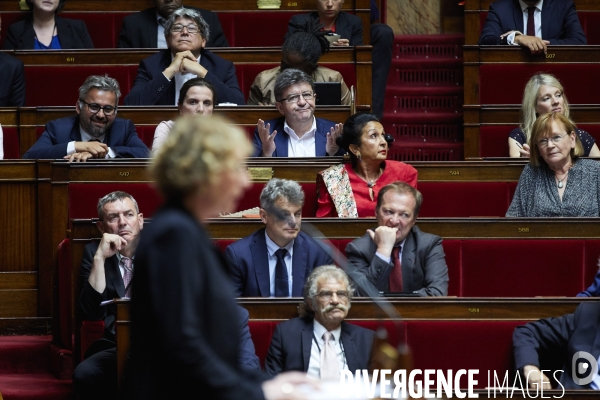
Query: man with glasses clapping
{"x": 298, "y": 133}
{"x": 94, "y": 132}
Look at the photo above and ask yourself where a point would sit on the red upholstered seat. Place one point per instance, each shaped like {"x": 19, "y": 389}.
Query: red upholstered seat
{"x": 69, "y": 78}
{"x": 240, "y": 27}
{"x": 452, "y": 249}
{"x": 465, "y": 199}
{"x": 11, "y": 142}
{"x": 454, "y": 345}
{"x": 146, "y": 133}
{"x": 504, "y": 83}
{"x": 522, "y": 268}
{"x": 83, "y": 197}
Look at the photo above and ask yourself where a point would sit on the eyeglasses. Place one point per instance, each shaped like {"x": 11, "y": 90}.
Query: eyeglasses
{"x": 95, "y": 108}
{"x": 326, "y": 295}
{"x": 191, "y": 28}
{"x": 295, "y": 97}
{"x": 555, "y": 140}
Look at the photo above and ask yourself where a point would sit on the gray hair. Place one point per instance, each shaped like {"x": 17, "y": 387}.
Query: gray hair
{"x": 100, "y": 82}
{"x": 276, "y": 188}
{"x": 192, "y": 14}
{"x": 289, "y": 77}
{"x": 111, "y": 198}
{"x": 311, "y": 285}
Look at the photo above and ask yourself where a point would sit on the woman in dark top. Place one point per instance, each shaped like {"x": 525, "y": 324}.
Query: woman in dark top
{"x": 43, "y": 29}
{"x": 544, "y": 93}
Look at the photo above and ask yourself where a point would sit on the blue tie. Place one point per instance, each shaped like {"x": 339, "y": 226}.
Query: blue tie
{"x": 282, "y": 287}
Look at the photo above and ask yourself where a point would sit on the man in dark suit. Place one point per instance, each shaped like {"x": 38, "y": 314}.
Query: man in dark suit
{"x": 553, "y": 22}
{"x": 397, "y": 256}
{"x": 321, "y": 344}
{"x": 94, "y": 132}
{"x": 298, "y": 133}
{"x": 107, "y": 270}
{"x": 12, "y": 84}
{"x": 275, "y": 261}
{"x": 350, "y": 29}
{"x": 145, "y": 29}
{"x": 161, "y": 75}
{"x": 568, "y": 336}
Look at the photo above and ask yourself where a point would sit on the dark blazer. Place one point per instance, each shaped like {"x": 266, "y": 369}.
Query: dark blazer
{"x": 89, "y": 300}
{"x": 184, "y": 319}
{"x": 424, "y": 269}
{"x": 152, "y": 88}
{"x": 293, "y": 339}
{"x": 72, "y": 34}
{"x": 121, "y": 138}
{"x": 560, "y": 24}
{"x": 249, "y": 264}
{"x": 12, "y": 84}
{"x": 564, "y": 335}
{"x": 348, "y": 26}
{"x": 139, "y": 30}
{"x": 282, "y": 139}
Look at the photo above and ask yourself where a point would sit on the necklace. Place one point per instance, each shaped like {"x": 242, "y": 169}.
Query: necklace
{"x": 560, "y": 181}
{"x": 371, "y": 183}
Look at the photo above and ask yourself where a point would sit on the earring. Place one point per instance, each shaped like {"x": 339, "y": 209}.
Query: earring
{"x": 359, "y": 157}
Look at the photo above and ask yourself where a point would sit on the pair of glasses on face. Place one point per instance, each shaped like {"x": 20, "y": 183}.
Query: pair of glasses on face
{"x": 556, "y": 139}
{"x": 295, "y": 97}
{"x": 95, "y": 108}
{"x": 327, "y": 295}
{"x": 191, "y": 28}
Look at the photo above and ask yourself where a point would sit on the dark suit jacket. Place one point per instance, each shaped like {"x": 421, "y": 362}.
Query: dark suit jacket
{"x": 12, "y": 84}
{"x": 560, "y": 24}
{"x": 249, "y": 264}
{"x": 139, "y": 30}
{"x": 282, "y": 139}
{"x": 348, "y": 26}
{"x": 564, "y": 335}
{"x": 152, "y": 88}
{"x": 89, "y": 300}
{"x": 293, "y": 339}
{"x": 184, "y": 319}
{"x": 121, "y": 138}
{"x": 424, "y": 269}
{"x": 72, "y": 34}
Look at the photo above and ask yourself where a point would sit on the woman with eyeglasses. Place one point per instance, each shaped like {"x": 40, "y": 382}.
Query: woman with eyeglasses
{"x": 42, "y": 29}
{"x": 556, "y": 182}
{"x": 161, "y": 76}
{"x": 350, "y": 190}
{"x": 197, "y": 97}
{"x": 544, "y": 93}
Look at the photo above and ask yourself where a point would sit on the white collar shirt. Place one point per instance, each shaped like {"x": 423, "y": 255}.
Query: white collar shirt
{"x": 303, "y": 146}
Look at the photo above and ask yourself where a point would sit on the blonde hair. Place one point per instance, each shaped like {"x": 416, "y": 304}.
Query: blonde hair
{"x": 530, "y": 97}
{"x": 198, "y": 149}
{"x": 542, "y": 126}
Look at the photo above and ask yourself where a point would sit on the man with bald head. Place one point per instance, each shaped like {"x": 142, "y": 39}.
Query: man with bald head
{"x": 533, "y": 24}
{"x": 145, "y": 29}
{"x": 396, "y": 256}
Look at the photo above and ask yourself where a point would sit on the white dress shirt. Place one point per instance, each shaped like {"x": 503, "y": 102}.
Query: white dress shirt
{"x": 272, "y": 247}
{"x": 301, "y": 146}
{"x": 314, "y": 366}
{"x": 86, "y": 137}
{"x": 537, "y": 17}
{"x": 161, "y": 41}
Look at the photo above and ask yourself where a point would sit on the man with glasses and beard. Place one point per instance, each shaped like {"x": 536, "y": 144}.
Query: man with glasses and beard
{"x": 94, "y": 132}
{"x": 298, "y": 133}
{"x": 321, "y": 343}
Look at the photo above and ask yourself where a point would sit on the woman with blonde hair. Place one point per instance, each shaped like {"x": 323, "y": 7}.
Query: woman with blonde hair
{"x": 544, "y": 93}
{"x": 184, "y": 319}
{"x": 556, "y": 182}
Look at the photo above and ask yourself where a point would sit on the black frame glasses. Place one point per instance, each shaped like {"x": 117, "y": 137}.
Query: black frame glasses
{"x": 95, "y": 108}
{"x": 293, "y": 98}
{"x": 191, "y": 28}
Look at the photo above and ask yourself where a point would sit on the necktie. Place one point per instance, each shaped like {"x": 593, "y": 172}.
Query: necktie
{"x": 94, "y": 140}
{"x": 127, "y": 275}
{"x": 530, "y": 21}
{"x": 282, "y": 287}
{"x": 330, "y": 370}
{"x": 396, "y": 274}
